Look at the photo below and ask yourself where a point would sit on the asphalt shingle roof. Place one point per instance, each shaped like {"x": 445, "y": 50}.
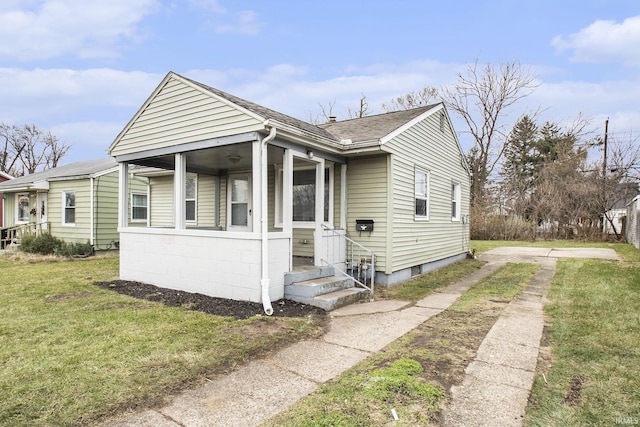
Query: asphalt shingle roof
{"x": 372, "y": 128}
{"x": 78, "y": 169}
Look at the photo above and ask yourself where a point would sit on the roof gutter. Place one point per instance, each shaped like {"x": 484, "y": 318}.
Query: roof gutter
{"x": 265, "y": 281}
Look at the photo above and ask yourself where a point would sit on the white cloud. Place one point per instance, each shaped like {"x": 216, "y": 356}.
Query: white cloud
{"x": 246, "y": 23}
{"x": 48, "y": 95}
{"x": 604, "y": 41}
{"x": 46, "y": 29}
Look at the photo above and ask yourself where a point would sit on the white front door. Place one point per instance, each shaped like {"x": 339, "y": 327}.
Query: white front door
{"x": 42, "y": 209}
{"x": 239, "y": 202}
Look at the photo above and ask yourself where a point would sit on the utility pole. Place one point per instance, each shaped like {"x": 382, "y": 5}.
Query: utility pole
{"x": 604, "y": 160}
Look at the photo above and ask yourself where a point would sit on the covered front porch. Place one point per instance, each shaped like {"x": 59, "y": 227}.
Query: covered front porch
{"x": 226, "y": 217}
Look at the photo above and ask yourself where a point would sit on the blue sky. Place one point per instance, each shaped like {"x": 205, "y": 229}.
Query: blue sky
{"x": 82, "y": 69}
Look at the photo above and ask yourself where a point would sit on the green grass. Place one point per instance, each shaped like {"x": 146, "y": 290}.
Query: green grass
{"x": 423, "y": 285}
{"x": 396, "y": 378}
{"x": 73, "y": 353}
{"x": 595, "y": 336}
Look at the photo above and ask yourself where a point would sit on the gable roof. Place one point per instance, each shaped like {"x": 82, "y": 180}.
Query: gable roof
{"x": 264, "y": 112}
{"x": 78, "y": 170}
{"x": 373, "y": 128}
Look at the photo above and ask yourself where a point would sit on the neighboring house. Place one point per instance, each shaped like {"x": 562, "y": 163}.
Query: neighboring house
{"x": 3, "y": 177}
{"x": 632, "y": 228}
{"x": 238, "y": 191}
{"x": 77, "y": 202}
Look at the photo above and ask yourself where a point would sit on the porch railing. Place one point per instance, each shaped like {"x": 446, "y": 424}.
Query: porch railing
{"x": 349, "y": 258}
{"x": 9, "y": 235}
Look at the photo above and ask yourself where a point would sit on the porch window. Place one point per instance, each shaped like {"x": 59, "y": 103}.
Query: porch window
{"x": 191, "y": 186}
{"x": 304, "y": 195}
{"x": 455, "y": 201}
{"x": 422, "y": 194}
{"x": 69, "y": 203}
{"x": 138, "y": 207}
{"x": 23, "y": 208}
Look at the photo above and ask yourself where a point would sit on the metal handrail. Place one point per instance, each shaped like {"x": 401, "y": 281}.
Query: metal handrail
{"x": 360, "y": 268}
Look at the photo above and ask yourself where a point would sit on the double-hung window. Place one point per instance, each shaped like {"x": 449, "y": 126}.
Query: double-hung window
{"x": 191, "y": 190}
{"x": 422, "y": 194}
{"x": 69, "y": 208}
{"x": 455, "y": 201}
{"x": 138, "y": 207}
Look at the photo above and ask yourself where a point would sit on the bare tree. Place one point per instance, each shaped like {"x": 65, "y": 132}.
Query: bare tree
{"x": 362, "y": 111}
{"x": 28, "y": 149}
{"x": 412, "y": 99}
{"x": 10, "y": 150}
{"x": 326, "y": 111}
{"x": 482, "y": 97}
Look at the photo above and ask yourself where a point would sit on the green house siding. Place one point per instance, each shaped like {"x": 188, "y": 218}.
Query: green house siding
{"x": 179, "y": 114}
{"x": 10, "y": 210}
{"x": 367, "y": 199}
{"x": 80, "y": 231}
{"x": 427, "y": 147}
{"x": 105, "y": 202}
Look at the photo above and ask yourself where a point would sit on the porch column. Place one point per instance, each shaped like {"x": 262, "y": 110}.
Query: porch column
{"x": 123, "y": 195}
{"x": 318, "y": 241}
{"x": 179, "y": 182}
{"x": 287, "y": 199}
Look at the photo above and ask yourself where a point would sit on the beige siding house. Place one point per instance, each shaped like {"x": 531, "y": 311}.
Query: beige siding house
{"x": 240, "y": 195}
{"x": 77, "y": 203}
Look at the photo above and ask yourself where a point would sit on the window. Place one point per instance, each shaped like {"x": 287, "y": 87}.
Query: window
{"x": 190, "y": 193}
{"x": 23, "y": 208}
{"x": 422, "y": 194}
{"x": 455, "y": 201}
{"x": 69, "y": 201}
{"x": 304, "y": 195}
{"x": 138, "y": 207}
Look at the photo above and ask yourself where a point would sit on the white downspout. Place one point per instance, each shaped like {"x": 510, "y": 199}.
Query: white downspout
{"x": 92, "y": 237}
{"x": 264, "y": 212}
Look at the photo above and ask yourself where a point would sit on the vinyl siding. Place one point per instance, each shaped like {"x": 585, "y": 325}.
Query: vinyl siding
{"x": 105, "y": 227}
{"x": 181, "y": 114}
{"x": 161, "y": 201}
{"x": 80, "y": 232}
{"x": 426, "y": 147}
{"x": 367, "y": 199}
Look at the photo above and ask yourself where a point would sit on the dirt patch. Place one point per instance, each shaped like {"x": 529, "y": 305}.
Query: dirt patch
{"x": 71, "y": 296}
{"x": 450, "y": 342}
{"x": 573, "y": 397}
{"x": 207, "y": 304}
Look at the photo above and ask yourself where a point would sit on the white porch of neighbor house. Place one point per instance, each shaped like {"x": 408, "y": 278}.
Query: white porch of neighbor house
{"x": 243, "y": 254}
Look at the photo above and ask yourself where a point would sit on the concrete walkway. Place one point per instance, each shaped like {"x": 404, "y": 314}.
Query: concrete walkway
{"x": 494, "y": 392}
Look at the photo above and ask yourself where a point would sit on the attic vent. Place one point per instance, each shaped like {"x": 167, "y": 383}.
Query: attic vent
{"x": 332, "y": 119}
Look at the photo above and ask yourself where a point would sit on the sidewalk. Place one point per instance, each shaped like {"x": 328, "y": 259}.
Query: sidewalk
{"x": 494, "y": 392}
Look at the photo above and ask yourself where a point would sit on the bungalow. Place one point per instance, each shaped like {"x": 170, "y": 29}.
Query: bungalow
{"x": 77, "y": 202}
{"x": 240, "y": 194}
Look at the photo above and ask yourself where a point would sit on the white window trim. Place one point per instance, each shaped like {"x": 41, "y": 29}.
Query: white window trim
{"x": 64, "y": 208}
{"x": 146, "y": 206}
{"x": 278, "y": 207}
{"x": 457, "y": 198}
{"x": 195, "y": 199}
{"x": 426, "y": 197}
{"x": 17, "y": 196}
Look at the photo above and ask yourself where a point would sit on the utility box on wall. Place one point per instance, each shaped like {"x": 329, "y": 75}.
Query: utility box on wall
{"x": 364, "y": 225}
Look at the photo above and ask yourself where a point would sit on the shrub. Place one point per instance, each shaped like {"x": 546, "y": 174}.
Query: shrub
{"x": 43, "y": 244}
{"x": 46, "y": 244}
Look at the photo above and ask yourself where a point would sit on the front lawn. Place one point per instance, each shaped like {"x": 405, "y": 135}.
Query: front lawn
{"x": 72, "y": 353}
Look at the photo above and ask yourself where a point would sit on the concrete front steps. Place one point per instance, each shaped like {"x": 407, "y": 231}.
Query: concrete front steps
{"x": 322, "y": 287}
